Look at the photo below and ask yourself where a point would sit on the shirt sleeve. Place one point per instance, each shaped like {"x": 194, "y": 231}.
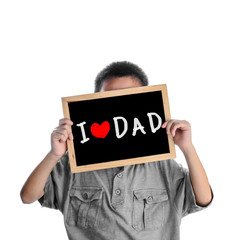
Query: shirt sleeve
{"x": 182, "y": 190}
{"x": 57, "y": 184}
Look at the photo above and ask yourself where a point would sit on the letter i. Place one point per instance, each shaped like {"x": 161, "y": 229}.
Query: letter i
{"x": 83, "y": 132}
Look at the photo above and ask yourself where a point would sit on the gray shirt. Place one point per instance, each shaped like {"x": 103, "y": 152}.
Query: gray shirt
{"x": 141, "y": 201}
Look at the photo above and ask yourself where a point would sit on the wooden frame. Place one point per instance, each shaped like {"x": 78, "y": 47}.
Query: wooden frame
{"x": 117, "y": 163}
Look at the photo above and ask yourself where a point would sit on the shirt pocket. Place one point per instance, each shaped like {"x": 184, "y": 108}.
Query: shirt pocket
{"x": 84, "y": 206}
{"x": 148, "y": 209}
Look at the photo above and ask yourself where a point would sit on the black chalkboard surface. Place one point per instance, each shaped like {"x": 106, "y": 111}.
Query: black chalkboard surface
{"x": 119, "y": 127}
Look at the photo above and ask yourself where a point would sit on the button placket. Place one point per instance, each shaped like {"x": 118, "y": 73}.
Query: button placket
{"x": 118, "y": 190}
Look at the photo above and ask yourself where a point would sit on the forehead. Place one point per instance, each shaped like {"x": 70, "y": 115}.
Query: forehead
{"x": 116, "y": 83}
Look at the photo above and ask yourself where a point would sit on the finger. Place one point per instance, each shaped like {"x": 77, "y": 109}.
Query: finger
{"x": 69, "y": 131}
{"x": 70, "y": 136}
{"x": 169, "y": 124}
{"x": 59, "y": 136}
{"x": 174, "y": 127}
{"x": 65, "y": 127}
{"x": 164, "y": 124}
{"x": 65, "y": 121}
{"x": 63, "y": 132}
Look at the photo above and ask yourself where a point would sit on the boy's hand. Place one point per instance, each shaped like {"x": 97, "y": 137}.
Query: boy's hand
{"x": 59, "y": 137}
{"x": 180, "y": 131}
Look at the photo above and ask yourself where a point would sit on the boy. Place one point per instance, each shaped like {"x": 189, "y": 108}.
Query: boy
{"x": 142, "y": 201}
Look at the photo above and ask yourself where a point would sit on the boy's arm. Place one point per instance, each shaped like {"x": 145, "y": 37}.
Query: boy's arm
{"x": 198, "y": 177}
{"x": 33, "y": 188}
{"x": 181, "y": 133}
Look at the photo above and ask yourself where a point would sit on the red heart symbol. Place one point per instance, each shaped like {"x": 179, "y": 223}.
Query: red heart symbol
{"x": 100, "y": 131}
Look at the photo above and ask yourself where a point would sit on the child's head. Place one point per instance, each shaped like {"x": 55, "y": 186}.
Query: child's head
{"x": 120, "y": 75}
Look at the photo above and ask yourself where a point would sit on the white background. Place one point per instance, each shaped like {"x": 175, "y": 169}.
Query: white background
{"x": 54, "y": 49}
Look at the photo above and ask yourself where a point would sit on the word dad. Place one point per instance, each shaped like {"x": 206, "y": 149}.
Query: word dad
{"x": 101, "y": 131}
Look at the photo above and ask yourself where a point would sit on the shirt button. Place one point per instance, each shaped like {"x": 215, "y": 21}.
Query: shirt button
{"x": 119, "y": 175}
{"x": 149, "y": 199}
{"x": 85, "y": 196}
{"x": 118, "y": 191}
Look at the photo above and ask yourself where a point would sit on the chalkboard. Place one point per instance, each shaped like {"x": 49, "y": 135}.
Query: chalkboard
{"x": 118, "y": 128}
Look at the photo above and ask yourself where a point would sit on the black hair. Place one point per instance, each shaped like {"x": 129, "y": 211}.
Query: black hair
{"x": 120, "y": 69}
